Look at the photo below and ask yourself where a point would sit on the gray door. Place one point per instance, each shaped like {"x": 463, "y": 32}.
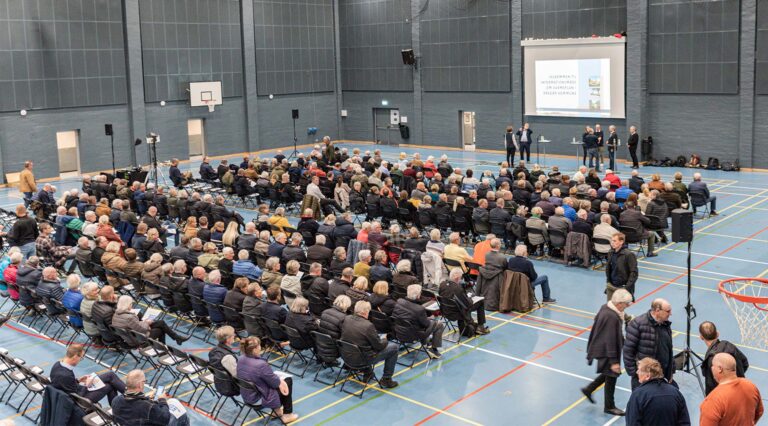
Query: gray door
{"x": 69, "y": 158}
{"x": 196, "y": 135}
{"x": 467, "y": 127}
{"x": 384, "y": 131}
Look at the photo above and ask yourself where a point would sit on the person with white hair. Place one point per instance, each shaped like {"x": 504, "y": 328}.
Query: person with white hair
{"x": 319, "y": 252}
{"x": 72, "y": 299}
{"x": 520, "y": 263}
{"x": 700, "y": 189}
{"x": 410, "y": 310}
{"x": 125, "y": 319}
{"x": 453, "y": 290}
{"x": 454, "y": 251}
{"x": 245, "y": 267}
{"x": 279, "y": 220}
{"x": 605, "y": 344}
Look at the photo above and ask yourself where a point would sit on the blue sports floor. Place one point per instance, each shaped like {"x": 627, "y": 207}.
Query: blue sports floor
{"x": 528, "y": 371}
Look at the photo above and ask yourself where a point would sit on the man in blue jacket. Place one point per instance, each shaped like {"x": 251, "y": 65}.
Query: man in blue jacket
{"x": 214, "y": 293}
{"x": 699, "y": 187}
{"x": 655, "y": 402}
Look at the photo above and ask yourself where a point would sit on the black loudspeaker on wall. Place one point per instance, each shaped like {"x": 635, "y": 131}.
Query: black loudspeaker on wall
{"x": 295, "y": 114}
{"x": 108, "y": 129}
{"x": 682, "y": 226}
{"x": 408, "y": 57}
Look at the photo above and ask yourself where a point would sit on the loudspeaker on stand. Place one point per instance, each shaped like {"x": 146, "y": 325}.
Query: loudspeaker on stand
{"x": 682, "y": 226}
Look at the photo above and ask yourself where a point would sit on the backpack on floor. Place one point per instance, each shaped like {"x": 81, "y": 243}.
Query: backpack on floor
{"x": 713, "y": 163}
{"x": 730, "y": 167}
{"x": 695, "y": 161}
{"x": 680, "y": 162}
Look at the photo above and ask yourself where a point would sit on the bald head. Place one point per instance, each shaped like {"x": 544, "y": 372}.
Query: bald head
{"x": 723, "y": 367}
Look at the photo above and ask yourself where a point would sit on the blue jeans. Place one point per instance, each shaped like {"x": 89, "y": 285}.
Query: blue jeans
{"x": 28, "y": 250}
{"x": 389, "y": 356}
{"x": 542, "y": 281}
{"x": 593, "y": 154}
{"x": 27, "y": 198}
{"x": 712, "y": 202}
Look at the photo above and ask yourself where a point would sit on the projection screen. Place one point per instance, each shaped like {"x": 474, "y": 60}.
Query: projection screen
{"x": 575, "y": 77}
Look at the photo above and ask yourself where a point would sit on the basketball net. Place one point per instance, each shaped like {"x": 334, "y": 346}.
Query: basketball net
{"x": 747, "y": 298}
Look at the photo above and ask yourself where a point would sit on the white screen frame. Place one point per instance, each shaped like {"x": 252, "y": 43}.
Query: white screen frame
{"x": 583, "y": 48}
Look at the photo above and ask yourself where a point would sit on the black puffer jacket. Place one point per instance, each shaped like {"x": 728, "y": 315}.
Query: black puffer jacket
{"x": 343, "y": 232}
{"x": 331, "y": 321}
{"x": 641, "y": 341}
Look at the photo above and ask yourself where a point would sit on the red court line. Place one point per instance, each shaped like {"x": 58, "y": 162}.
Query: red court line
{"x": 553, "y": 348}
{"x": 711, "y": 258}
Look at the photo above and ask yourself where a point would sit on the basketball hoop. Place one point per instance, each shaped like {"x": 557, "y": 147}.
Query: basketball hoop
{"x": 210, "y": 104}
{"x": 747, "y": 298}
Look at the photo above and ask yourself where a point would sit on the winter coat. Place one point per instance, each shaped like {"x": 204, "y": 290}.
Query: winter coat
{"x": 719, "y": 346}
{"x": 258, "y": 372}
{"x": 331, "y": 321}
{"x": 625, "y": 271}
{"x": 215, "y": 294}
{"x": 515, "y": 292}
{"x": 606, "y": 340}
{"x": 114, "y": 262}
{"x": 434, "y": 269}
{"x": 642, "y": 341}
{"x": 578, "y": 245}
{"x": 27, "y": 278}
{"x": 291, "y": 283}
{"x": 657, "y": 403}
{"x": 489, "y": 286}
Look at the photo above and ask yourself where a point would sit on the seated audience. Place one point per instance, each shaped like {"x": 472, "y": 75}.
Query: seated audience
{"x": 357, "y": 330}
{"x": 272, "y": 391}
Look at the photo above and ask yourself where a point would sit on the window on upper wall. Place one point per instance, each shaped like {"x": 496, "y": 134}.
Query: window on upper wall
{"x": 693, "y": 46}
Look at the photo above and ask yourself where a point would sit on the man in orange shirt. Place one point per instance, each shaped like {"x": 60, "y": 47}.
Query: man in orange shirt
{"x": 735, "y": 401}
{"x": 481, "y": 249}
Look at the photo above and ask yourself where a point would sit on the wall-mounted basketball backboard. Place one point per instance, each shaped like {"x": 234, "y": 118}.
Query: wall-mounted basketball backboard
{"x": 205, "y": 93}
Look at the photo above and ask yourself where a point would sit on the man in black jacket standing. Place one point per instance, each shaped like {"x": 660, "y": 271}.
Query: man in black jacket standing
{"x": 525, "y": 136}
{"x": 634, "y": 140}
{"x": 650, "y": 335}
{"x": 590, "y": 145}
{"x": 711, "y": 337}
{"x": 605, "y": 343}
{"x": 357, "y": 330}
{"x": 621, "y": 270}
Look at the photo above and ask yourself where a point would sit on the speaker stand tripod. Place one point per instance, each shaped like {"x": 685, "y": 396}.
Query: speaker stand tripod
{"x": 295, "y": 153}
{"x": 687, "y": 355}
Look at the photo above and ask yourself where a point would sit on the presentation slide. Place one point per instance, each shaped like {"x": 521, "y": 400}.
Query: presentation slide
{"x": 575, "y": 87}
{"x": 581, "y": 77}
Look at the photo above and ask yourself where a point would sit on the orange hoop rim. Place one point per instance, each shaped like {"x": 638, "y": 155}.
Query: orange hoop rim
{"x": 755, "y": 300}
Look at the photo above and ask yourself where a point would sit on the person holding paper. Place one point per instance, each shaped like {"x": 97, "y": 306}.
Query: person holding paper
{"x": 92, "y": 387}
{"x": 136, "y": 408}
{"x": 274, "y": 391}
{"x": 525, "y": 136}
{"x": 453, "y": 289}
{"x": 125, "y": 318}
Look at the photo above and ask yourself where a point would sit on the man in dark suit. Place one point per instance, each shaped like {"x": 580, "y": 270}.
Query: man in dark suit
{"x": 634, "y": 140}
{"x": 206, "y": 171}
{"x": 63, "y": 377}
{"x": 525, "y": 136}
{"x": 520, "y": 263}
{"x": 319, "y": 252}
{"x": 453, "y": 290}
{"x": 613, "y": 144}
{"x": 409, "y": 309}
{"x": 357, "y": 330}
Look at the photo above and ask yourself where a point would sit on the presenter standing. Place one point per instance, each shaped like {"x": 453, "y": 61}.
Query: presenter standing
{"x": 600, "y": 143}
{"x": 613, "y": 143}
{"x": 632, "y": 142}
{"x": 525, "y": 137}
{"x": 590, "y": 146}
{"x": 587, "y": 129}
{"x": 511, "y": 144}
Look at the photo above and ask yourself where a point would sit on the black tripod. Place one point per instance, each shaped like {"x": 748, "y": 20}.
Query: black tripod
{"x": 685, "y": 357}
{"x": 295, "y": 153}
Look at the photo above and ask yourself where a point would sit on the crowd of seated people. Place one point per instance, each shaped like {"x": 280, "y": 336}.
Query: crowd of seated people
{"x": 325, "y": 274}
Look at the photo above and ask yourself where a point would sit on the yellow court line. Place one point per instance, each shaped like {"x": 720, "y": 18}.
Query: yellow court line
{"x": 332, "y": 404}
{"x": 568, "y": 408}
{"x": 421, "y": 404}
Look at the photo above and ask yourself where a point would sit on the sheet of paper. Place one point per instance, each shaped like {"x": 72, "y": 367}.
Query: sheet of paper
{"x": 175, "y": 407}
{"x": 151, "y": 314}
{"x": 476, "y": 299}
{"x": 96, "y": 383}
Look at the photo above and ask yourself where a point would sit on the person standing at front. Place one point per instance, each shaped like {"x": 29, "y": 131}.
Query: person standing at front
{"x": 606, "y": 340}
{"x": 525, "y": 136}
{"x": 634, "y": 140}
{"x": 735, "y": 400}
{"x": 27, "y": 185}
{"x": 650, "y": 335}
{"x": 510, "y": 143}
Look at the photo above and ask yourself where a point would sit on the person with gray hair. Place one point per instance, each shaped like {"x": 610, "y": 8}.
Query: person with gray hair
{"x": 605, "y": 345}
{"x": 650, "y": 335}
{"x": 520, "y": 263}
{"x": 125, "y": 319}
{"x": 410, "y": 310}
{"x": 302, "y": 320}
{"x": 294, "y": 251}
{"x": 244, "y": 267}
{"x": 332, "y": 318}
{"x": 318, "y": 252}
{"x": 697, "y": 188}
{"x": 363, "y": 266}
{"x": 358, "y": 330}
{"x": 137, "y": 408}
{"x": 453, "y": 289}
{"x": 223, "y": 357}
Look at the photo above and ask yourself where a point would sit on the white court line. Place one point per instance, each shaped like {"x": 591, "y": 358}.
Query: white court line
{"x": 717, "y": 256}
{"x": 535, "y": 364}
{"x": 684, "y": 267}
{"x": 613, "y": 419}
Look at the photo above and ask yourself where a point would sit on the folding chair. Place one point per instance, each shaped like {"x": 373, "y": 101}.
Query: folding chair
{"x": 327, "y": 353}
{"x": 357, "y": 367}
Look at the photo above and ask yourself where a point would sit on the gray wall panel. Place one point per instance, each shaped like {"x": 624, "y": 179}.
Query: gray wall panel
{"x": 442, "y": 121}
{"x": 359, "y": 105}
{"x": 34, "y": 138}
{"x": 224, "y": 129}
{"x": 693, "y": 124}
{"x": 276, "y": 129}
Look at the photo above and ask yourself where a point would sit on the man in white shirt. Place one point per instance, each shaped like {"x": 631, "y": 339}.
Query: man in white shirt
{"x": 313, "y": 189}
